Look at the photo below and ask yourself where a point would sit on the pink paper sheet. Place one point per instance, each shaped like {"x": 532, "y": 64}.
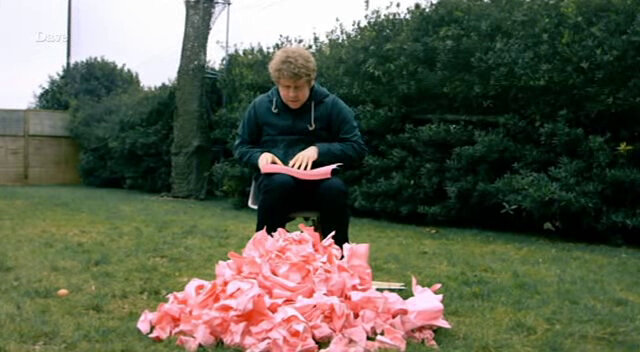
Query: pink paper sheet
{"x": 290, "y": 291}
{"x": 313, "y": 174}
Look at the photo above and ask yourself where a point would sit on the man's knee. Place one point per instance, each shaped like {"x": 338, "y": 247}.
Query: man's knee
{"x": 333, "y": 189}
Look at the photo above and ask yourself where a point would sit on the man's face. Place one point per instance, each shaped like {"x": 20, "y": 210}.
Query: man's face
{"x": 294, "y": 93}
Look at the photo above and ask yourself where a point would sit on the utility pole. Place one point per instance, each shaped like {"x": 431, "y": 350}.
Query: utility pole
{"x": 226, "y": 45}
{"x": 69, "y": 6}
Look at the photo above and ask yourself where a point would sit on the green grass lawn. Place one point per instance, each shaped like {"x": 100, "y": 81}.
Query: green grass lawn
{"x": 120, "y": 252}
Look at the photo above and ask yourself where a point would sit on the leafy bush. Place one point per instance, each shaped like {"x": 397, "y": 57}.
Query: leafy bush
{"x": 407, "y": 178}
{"x": 589, "y": 192}
{"x": 507, "y": 113}
{"x": 125, "y": 139}
{"x": 231, "y": 180}
{"x": 90, "y": 80}
{"x": 124, "y": 131}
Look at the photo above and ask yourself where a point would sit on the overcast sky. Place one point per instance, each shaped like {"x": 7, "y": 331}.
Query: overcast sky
{"x": 144, "y": 35}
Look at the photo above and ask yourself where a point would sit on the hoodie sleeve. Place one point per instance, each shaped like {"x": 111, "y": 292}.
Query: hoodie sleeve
{"x": 348, "y": 147}
{"x": 246, "y": 147}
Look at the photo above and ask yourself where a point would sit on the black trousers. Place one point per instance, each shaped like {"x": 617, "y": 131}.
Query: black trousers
{"x": 280, "y": 195}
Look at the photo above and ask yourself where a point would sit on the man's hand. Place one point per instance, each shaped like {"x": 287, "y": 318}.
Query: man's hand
{"x": 268, "y": 158}
{"x": 304, "y": 159}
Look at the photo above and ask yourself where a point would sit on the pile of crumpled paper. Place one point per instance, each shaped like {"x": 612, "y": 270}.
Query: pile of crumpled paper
{"x": 292, "y": 292}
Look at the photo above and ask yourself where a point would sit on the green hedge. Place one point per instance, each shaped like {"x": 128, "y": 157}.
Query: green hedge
{"x": 511, "y": 114}
{"x": 90, "y": 80}
{"x": 508, "y": 114}
{"x": 124, "y": 130}
{"x": 125, "y": 139}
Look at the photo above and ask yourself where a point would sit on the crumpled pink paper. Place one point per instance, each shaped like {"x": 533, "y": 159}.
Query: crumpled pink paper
{"x": 290, "y": 291}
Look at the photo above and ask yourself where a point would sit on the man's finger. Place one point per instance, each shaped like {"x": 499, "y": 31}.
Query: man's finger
{"x": 294, "y": 162}
{"x": 263, "y": 160}
{"x": 302, "y": 163}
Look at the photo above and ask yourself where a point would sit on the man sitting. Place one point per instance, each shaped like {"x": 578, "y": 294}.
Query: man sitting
{"x": 299, "y": 124}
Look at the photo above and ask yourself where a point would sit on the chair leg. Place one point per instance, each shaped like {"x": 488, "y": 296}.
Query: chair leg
{"x": 316, "y": 225}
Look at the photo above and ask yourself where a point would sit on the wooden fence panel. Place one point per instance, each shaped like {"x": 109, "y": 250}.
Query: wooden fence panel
{"x": 12, "y": 122}
{"x": 35, "y": 148}
{"x": 53, "y": 160}
{"x": 12, "y": 160}
{"x": 48, "y": 123}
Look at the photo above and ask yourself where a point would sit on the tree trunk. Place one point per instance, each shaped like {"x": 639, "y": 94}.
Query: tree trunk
{"x": 190, "y": 152}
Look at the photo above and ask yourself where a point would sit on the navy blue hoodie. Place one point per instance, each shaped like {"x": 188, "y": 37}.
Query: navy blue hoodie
{"x": 324, "y": 120}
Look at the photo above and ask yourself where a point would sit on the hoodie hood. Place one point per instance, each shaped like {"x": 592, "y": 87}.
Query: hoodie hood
{"x": 317, "y": 95}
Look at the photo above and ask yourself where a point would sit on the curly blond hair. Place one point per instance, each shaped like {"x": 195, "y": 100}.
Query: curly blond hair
{"x": 294, "y": 63}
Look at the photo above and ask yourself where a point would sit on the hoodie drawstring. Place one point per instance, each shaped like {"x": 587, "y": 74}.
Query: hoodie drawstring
{"x": 312, "y": 126}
